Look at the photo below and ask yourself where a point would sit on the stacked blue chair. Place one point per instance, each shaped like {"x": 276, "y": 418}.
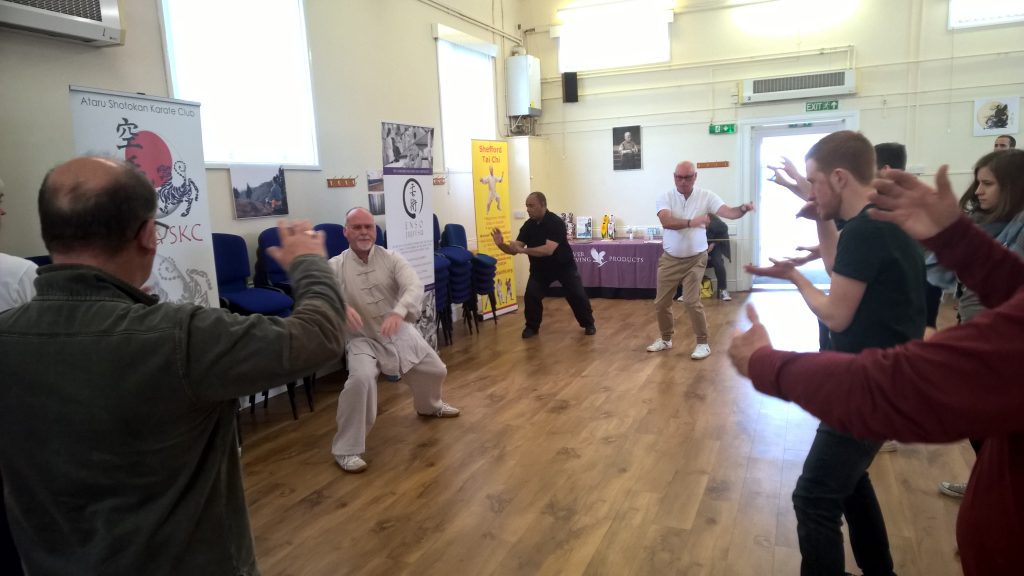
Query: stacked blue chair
{"x": 485, "y": 268}
{"x": 442, "y": 297}
{"x": 334, "y": 238}
{"x": 460, "y": 271}
{"x": 231, "y": 258}
{"x": 268, "y": 272}
{"x": 382, "y": 239}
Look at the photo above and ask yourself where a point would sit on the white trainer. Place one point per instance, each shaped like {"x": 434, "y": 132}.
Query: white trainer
{"x": 701, "y": 352}
{"x": 889, "y": 446}
{"x": 680, "y": 299}
{"x": 723, "y": 295}
{"x": 445, "y": 411}
{"x": 351, "y": 463}
{"x": 953, "y": 489}
{"x": 660, "y": 345}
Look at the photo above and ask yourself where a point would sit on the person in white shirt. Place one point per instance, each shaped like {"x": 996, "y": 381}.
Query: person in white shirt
{"x": 684, "y": 214}
{"x": 17, "y": 275}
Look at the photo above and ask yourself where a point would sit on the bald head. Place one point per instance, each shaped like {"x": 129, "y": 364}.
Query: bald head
{"x": 361, "y": 231}
{"x": 685, "y": 175}
{"x": 93, "y": 204}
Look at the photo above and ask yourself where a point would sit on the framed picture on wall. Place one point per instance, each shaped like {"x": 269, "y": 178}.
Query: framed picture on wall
{"x": 996, "y": 115}
{"x": 626, "y": 148}
{"x": 258, "y": 191}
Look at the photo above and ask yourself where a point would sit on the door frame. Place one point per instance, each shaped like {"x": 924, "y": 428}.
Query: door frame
{"x": 747, "y": 228}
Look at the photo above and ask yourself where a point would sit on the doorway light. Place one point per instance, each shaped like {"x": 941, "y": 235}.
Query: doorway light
{"x": 613, "y": 35}
{"x": 791, "y": 17}
{"x": 975, "y": 13}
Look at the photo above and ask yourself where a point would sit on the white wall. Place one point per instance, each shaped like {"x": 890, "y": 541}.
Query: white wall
{"x": 372, "y": 61}
{"x": 916, "y": 84}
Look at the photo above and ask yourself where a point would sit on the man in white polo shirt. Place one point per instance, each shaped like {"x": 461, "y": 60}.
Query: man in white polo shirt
{"x": 684, "y": 215}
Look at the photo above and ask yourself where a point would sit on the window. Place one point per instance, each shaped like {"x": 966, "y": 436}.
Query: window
{"x": 974, "y": 13}
{"x": 613, "y": 35}
{"x": 466, "y": 79}
{"x": 249, "y": 69}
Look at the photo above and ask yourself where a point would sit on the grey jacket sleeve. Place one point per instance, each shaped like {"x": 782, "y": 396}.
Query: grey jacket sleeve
{"x": 224, "y": 355}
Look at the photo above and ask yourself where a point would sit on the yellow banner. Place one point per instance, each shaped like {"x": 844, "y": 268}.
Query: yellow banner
{"x": 490, "y": 192}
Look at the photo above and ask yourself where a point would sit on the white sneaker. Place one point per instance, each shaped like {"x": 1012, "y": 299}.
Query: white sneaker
{"x": 351, "y": 463}
{"x": 723, "y": 295}
{"x": 680, "y": 299}
{"x": 701, "y": 352}
{"x": 445, "y": 411}
{"x": 888, "y": 446}
{"x": 660, "y": 345}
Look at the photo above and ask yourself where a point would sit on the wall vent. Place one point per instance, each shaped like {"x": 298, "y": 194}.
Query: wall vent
{"x": 93, "y": 22}
{"x": 832, "y": 83}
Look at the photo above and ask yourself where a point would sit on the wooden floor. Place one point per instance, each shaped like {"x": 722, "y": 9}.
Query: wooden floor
{"x": 576, "y": 455}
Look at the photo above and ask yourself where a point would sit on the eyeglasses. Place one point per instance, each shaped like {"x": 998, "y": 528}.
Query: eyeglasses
{"x": 158, "y": 223}
{"x": 685, "y": 176}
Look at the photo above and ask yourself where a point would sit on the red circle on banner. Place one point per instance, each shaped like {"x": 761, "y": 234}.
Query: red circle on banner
{"x": 151, "y": 155}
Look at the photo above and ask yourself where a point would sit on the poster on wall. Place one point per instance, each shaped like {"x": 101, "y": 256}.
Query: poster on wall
{"x": 626, "y": 148}
{"x": 409, "y": 218}
{"x": 163, "y": 138}
{"x": 375, "y": 191}
{"x": 490, "y": 195}
{"x": 258, "y": 191}
{"x": 996, "y": 115}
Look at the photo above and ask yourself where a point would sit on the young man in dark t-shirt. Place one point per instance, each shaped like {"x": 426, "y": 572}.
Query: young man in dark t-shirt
{"x": 543, "y": 239}
{"x": 875, "y": 301}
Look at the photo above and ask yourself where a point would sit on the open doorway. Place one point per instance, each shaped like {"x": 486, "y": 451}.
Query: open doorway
{"x": 778, "y": 232}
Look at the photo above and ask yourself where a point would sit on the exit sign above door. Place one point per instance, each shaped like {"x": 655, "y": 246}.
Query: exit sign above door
{"x": 721, "y": 128}
{"x": 821, "y": 105}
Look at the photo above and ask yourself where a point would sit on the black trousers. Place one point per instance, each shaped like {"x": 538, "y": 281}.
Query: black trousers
{"x": 717, "y": 261}
{"x": 536, "y": 288}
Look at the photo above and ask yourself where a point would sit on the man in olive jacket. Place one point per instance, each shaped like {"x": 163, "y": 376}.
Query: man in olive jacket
{"x": 117, "y": 413}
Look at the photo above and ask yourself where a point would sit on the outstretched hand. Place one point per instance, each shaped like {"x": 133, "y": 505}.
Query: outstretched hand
{"x": 788, "y": 177}
{"x": 809, "y": 211}
{"x": 745, "y": 344}
{"x": 920, "y": 210}
{"x": 497, "y": 236}
{"x": 782, "y": 269}
{"x": 297, "y": 239}
{"x": 813, "y": 253}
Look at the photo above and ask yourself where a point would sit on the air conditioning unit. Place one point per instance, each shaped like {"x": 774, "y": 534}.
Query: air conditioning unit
{"x": 832, "y": 83}
{"x": 93, "y": 22}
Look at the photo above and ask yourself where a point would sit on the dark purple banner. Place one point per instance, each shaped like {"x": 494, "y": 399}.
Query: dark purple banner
{"x": 618, "y": 263}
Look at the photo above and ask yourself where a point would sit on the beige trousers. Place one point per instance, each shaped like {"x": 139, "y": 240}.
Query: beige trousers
{"x": 357, "y": 404}
{"x": 691, "y": 271}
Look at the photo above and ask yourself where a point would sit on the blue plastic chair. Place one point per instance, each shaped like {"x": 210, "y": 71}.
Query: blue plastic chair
{"x": 43, "y": 260}
{"x": 231, "y": 257}
{"x": 382, "y": 239}
{"x": 334, "y": 238}
{"x": 269, "y": 273}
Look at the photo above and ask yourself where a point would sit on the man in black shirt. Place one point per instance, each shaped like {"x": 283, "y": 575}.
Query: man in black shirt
{"x": 543, "y": 239}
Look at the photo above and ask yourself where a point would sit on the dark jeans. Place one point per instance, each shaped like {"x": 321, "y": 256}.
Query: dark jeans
{"x": 717, "y": 261}
{"x": 537, "y": 286}
{"x": 835, "y": 483}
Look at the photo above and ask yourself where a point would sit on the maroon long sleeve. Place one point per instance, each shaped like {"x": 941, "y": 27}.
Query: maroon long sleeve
{"x": 967, "y": 381}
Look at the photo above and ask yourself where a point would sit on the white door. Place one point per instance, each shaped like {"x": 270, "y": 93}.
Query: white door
{"x": 777, "y": 232}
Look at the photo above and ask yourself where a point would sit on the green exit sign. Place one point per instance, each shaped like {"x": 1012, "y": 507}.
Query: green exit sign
{"x": 821, "y": 105}
{"x": 721, "y": 128}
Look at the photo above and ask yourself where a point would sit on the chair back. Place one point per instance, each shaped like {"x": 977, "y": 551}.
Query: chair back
{"x": 334, "y": 238}
{"x": 381, "y": 240}
{"x": 437, "y": 233}
{"x": 43, "y": 260}
{"x": 268, "y": 271}
{"x": 231, "y": 257}
{"x": 454, "y": 235}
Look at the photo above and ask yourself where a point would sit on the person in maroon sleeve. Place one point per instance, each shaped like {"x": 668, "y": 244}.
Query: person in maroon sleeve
{"x": 964, "y": 382}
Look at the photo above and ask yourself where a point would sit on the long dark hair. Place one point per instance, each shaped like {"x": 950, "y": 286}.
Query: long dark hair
{"x": 1007, "y": 166}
